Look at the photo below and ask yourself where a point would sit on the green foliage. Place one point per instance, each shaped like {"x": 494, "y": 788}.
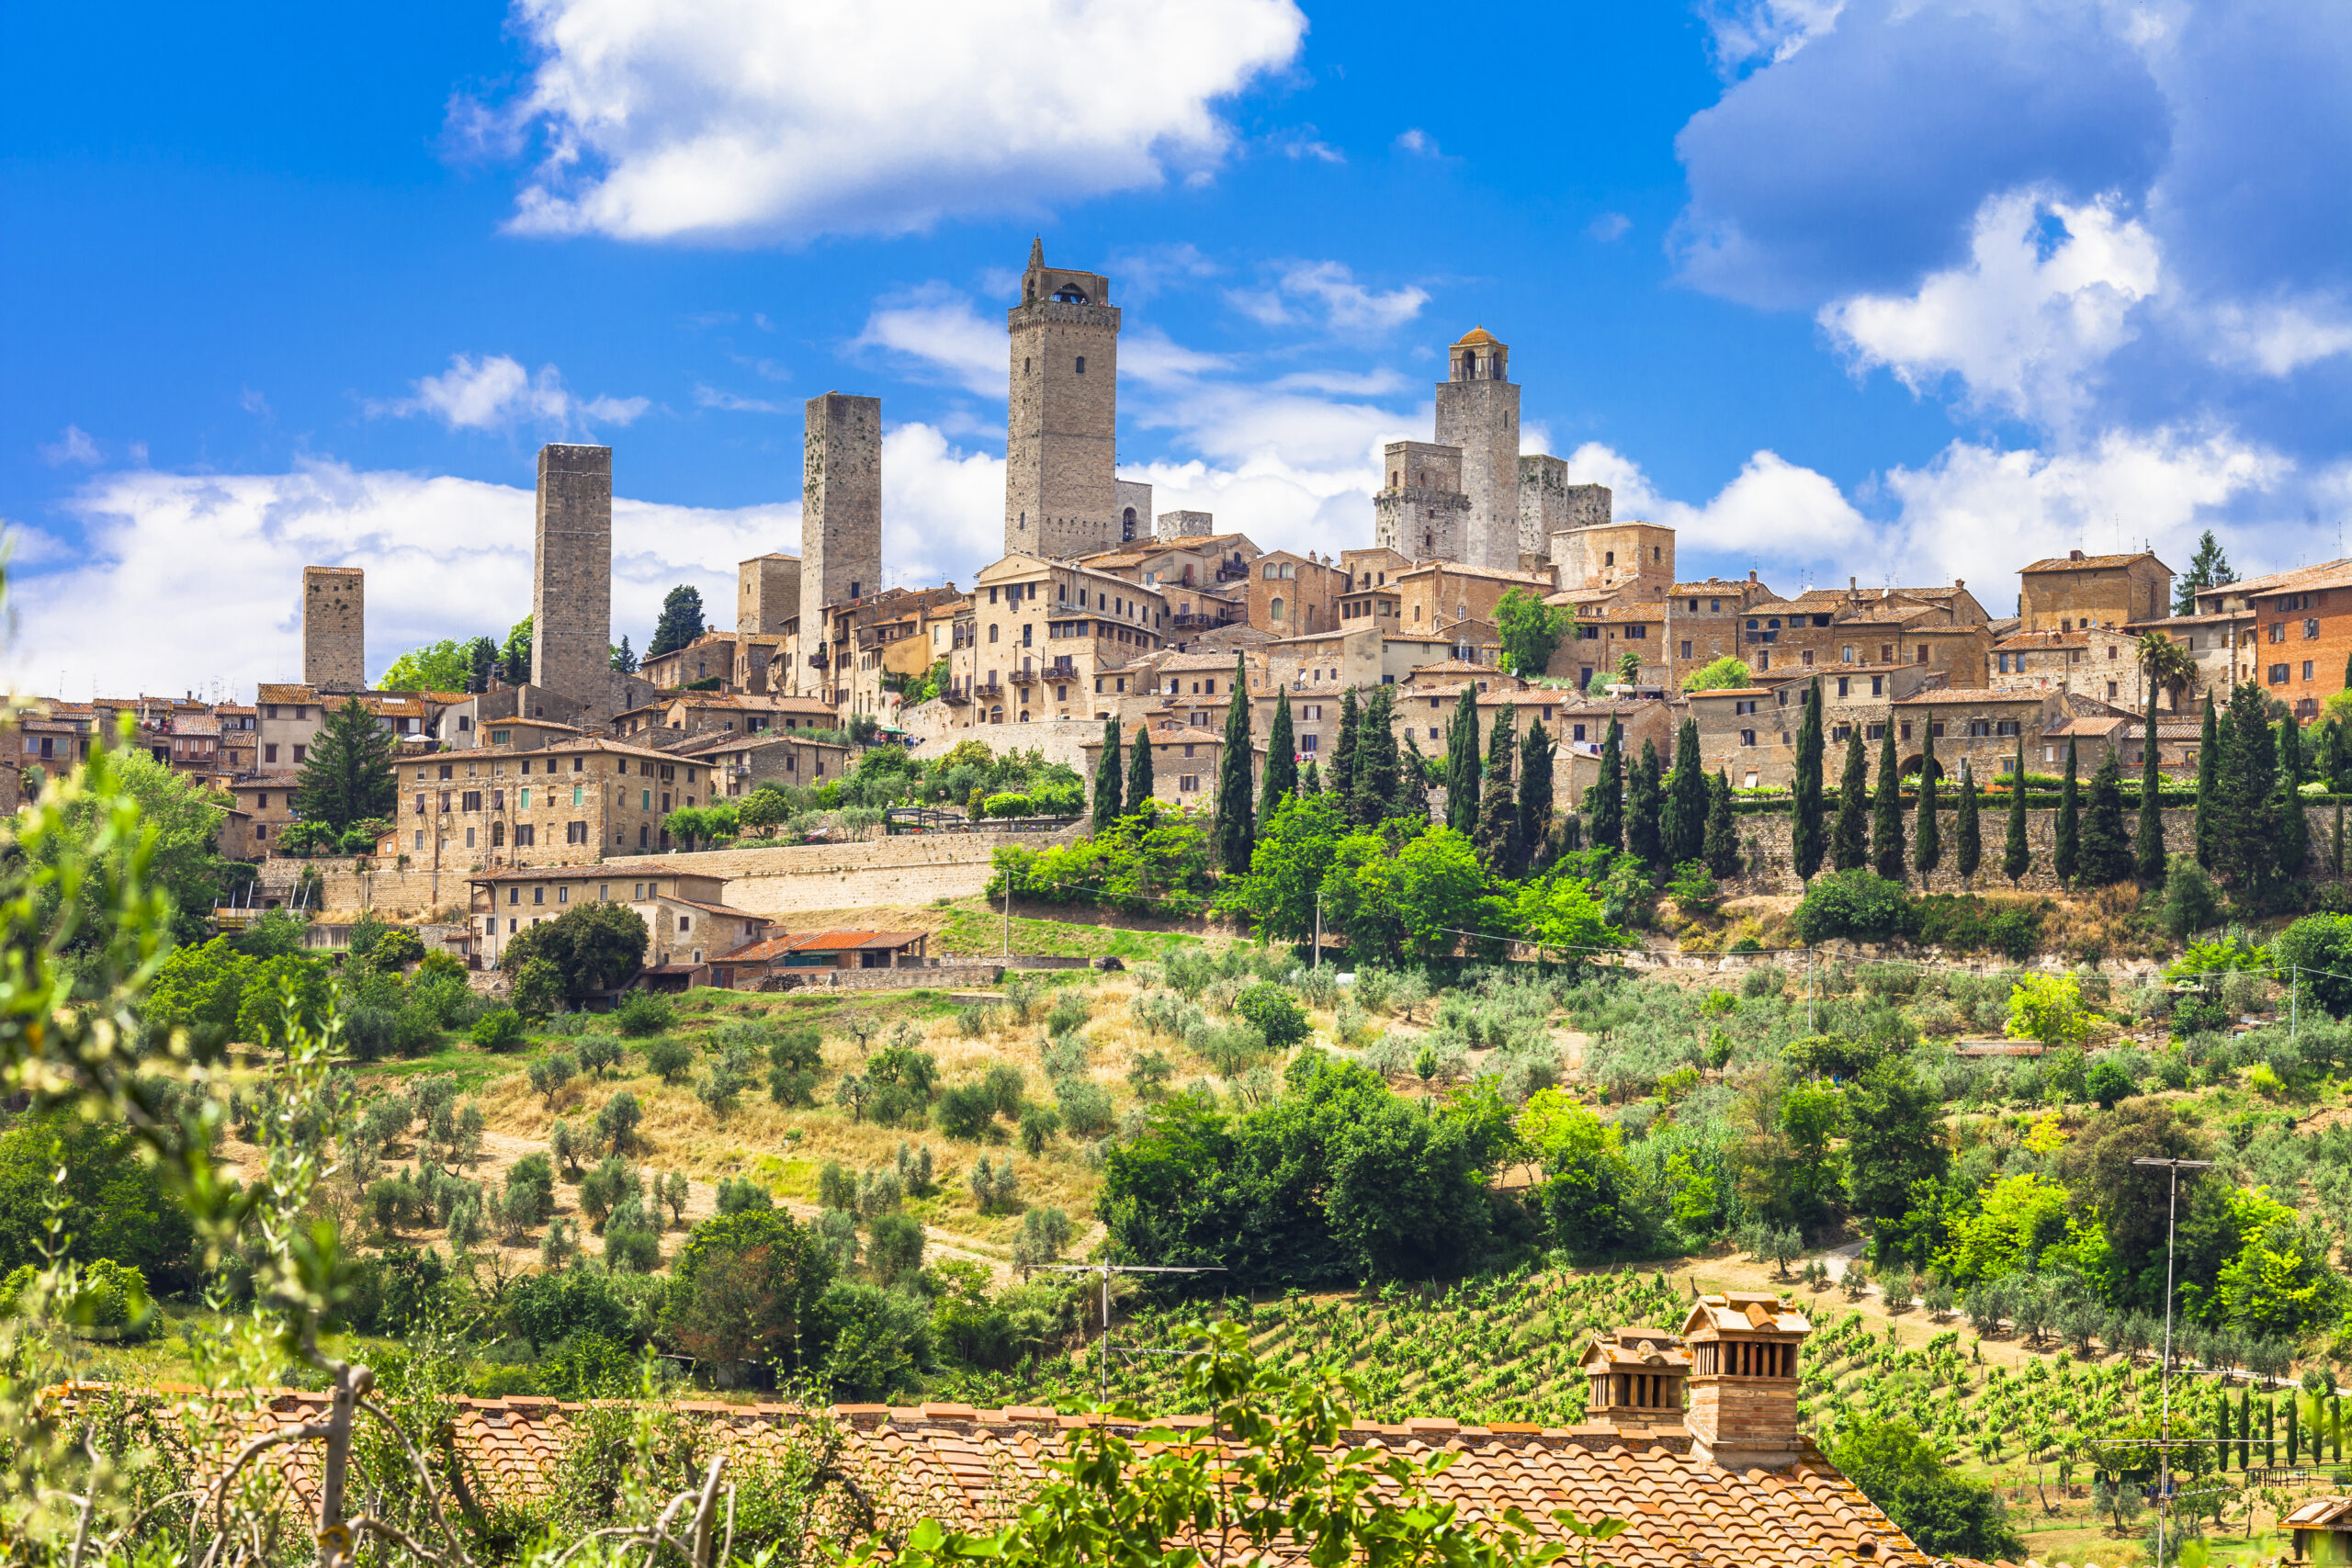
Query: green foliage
{"x": 1530, "y": 630}
{"x": 443, "y": 666}
{"x": 2048, "y": 1008}
{"x": 1724, "y": 674}
{"x": 115, "y": 1204}
{"x": 1293, "y": 854}
{"x": 644, "y": 1012}
{"x": 594, "y": 947}
{"x": 1857, "y": 905}
{"x": 348, "y": 773}
{"x": 2317, "y": 950}
{"x": 498, "y": 1030}
{"x": 1154, "y": 861}
{"x": 1275, "y": 1014}
{"x": 1943, "y": 1512}
{"x": 1236, "y": 822}
{"x": 681, "y": 621}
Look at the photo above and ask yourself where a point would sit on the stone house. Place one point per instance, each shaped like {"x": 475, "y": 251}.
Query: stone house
{"x": 1184, "y": 760}
{"x": 1293, "y": 592}
{"x": 788, "y": 958}
{"x": 739, "y": 763}
{"x": 2097, "y": 660}
{"x": 460, "y": 718}
{"x": 1436, "y": 594}
{"x": 1193, "y": 560}
{"x": 1982, "y": 726}
{"x": 1703, "y": 621}
{"x": 2222, "y": 645}
{"x": 1749, "y": 732}
{"x": 2067, "y": 593}
{"x": 569, "y": 802}
{"x": 1044, "y": 630}
{"x": 291, "y": 716}
{"x": 1605, "y": 632}
{"x": 1943, "y": 628}
{"x": 266, "y": 804}
{"x": 1862, "y": 696}
{"x": 710, "y": 657}
{"x": 659, "y": 724}
{"x": 686, "y": 922}
{"x": 240, "y": 726}
{"x": 2302, "y": 635}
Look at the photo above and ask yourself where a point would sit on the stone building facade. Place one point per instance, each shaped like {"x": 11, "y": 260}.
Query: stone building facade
{"x": 497, "y": 805}
{"x": 1043, "y": 631}
{"x": 2067, "y": 593}
{"x": 767, "y": 591}
{"x": 335, "y": 627}
{"x": 1061, "y": 495}
{"x": 840, "y": 502}
{"x": 1421, "y": 513}
{"x": 572, "y": 572}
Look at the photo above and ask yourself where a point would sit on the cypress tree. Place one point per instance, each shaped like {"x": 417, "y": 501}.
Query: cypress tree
{"x": 1497, "y": 834}
{"x": 2247, "y": 818}
{"x": 1281, "y": 759}
{"x": 1682, "y": 818}
{"x": 1462, "y": 766}
{"x": 2015, "y": 855}
{"x": 1237, "y": 820}
{"x": 1967, "y": 834}
{"x": 2293, "y": 837}
{"x": 1343, "y": 751}
{"x": 2336, "y": 861}
{"x": 1107, "y": 777}
{"x": 1886, "y": 811}
{"x": 1805, "y": 836}
{"x": 1721, "y": 851}
{"x": 2209, "y": 763}
{"x": 1641, "y": 839}
{"x": 1311, "y": 780}
{"x": 1374, "y": 795}
{"x": 1928, "y": 840}
{"x": 1608, "y": 824}
{"x": 1849, "y": 847}
{"x": 2246, "y": 1428}
{"x": 2106, "y": 850}
{"x": 1535, "y": 752}
{"x": 1413, "y": 784}
{"x": 2066, "y": 849}
{"x": 1139, "y": 790}
{"x": 2148, "y": 846}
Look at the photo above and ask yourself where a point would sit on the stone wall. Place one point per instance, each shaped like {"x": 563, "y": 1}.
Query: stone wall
{"x": 1482, "y": 417}
{"x": 942, "y": 977}
{"x": 1061, "y": 425}
{"x": 1764, "y": 841}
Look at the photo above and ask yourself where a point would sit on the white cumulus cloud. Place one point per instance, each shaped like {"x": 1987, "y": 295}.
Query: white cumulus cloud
{"x": 496, "y": 394}
{"x": 2046, "y": 296}
{"x": 728, "y": 119}
{"x": 1326, "y": 294}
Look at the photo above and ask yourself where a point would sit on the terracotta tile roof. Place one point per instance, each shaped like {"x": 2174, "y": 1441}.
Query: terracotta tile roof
{"x": 1962, "y": 695}
{"x": 2097, "y": 727}
{"x": 728, "y": 910}
{"x": 972, "y": 1466}
{"x": 2296, "y": 577}
{"x": 2021, "y": 640}
{"x": 1455, "y": 667}
{"x": 2089, "y": 563}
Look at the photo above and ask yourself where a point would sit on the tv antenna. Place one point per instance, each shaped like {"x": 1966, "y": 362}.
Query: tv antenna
{"x": 1104, "y": 1347}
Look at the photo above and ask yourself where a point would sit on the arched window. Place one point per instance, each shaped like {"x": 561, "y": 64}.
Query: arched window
{"x": 1276, "y": 610}
{"x": 996, "y": 716}
{"x": 991, "y": 634}
{"x": 1127, "y": 525}
{"x": 1070, "y": 294}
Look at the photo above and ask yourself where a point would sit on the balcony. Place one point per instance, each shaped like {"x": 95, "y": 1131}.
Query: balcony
{"x": 988, "y": 689}
{"x": 1025, "y": 676}
{"x": 1228, "y": 572}
{"x": 1063, "y": 669}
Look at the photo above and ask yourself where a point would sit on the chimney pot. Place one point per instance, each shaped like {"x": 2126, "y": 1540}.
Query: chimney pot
{"x": 1744, "y": 1351}
{"x": 2073, "y": 555}
{"x": 1850, "y": 584}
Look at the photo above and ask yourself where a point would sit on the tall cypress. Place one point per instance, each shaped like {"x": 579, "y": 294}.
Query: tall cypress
{"x": 1608, "y": 824}
{"x": 1721, "y": 848}
{"x": 1805, "y": 837}
{"x": 1967, "y": 833}
{"x": 1413, "y": 784}
{"x": 1342, "y": 776}
{"x": 2106, "y": 852}
{"x": 2246, "y": 814}
{"x": 1849, "y": 846}
{"x": 2148, "y": 845}
{"x": 1535, "y": 753}
{"x": 1107, "y": 777}
{"x": 1310, "y": 782}
{"x": 1928, "y": 840}
{"x": 2016, "y": 857}
{"x": 1373, "y": 792}
{"x": 1237, "y": 820}
{"x": 1886, "y": 811}
{"x": 2335, "y": 861}
{"x": 1682, "y": 818}
{"x": 2293, "y": 837}
{"x": 1139, "y": 791}
{"x": 2066, "y": 850}
{"x": 1498, "y": 833}
{"x": 1461, "y": 763}
{"x": 1641, "y": 839}
{"x": 1281, "y": 759}
{"x": 2208, "y": 766}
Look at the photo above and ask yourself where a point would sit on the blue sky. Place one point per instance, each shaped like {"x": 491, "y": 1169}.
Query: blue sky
{"x": 1904, "y": 290}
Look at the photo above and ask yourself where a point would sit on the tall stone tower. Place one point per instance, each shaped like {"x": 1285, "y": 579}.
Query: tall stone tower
{"x": 1422, "y": 512}
{"x": 572, "y": 573}
{"x": 767, "y": 592}
{"x": 1061, "y": 416}
{"x": 1477, "y": 409}
{"x": 841, "y": 505}
{"x": 334, "y": 628}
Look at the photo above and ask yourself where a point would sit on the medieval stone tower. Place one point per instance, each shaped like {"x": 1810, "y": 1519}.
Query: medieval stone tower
{"x": 334, "y": 628}
{"x": 572, "y": 573}
{"x": 1477, "y": 410}
{"x": 1061, "y": 415}
{"x": 841, "y": 505}
{"x": 1422, "y": 512}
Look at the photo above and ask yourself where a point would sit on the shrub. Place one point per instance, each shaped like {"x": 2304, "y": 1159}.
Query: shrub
{"x": 739, "y": 1194}
{"x": 966, "y": 1111}
{"x": 617, "y": 1123}
{"x": 644, "y": 1012}
{"x": 1857, "y": 905}
{"x": 1070, "y": 1012}
{"x": 1274, "y": 1013}
{"x": 498, "y": 1030}
{"x": 1085, "y": 1107}
{"x": 371, "y": 1032}
{"x": 2109, "y": 1081}
{"x": 530, "y": 1193}
{"x": 1008, "y": 805}
{"x": 670, "y": 1059}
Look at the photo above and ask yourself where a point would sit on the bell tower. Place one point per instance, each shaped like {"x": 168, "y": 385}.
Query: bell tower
{"x": 1061, "y": 414}
{"x": 1477, "y": 409}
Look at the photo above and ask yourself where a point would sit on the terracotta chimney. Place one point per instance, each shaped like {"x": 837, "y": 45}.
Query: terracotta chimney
{"x": 1744, "y": 1347}
{"x": 1636, "y": 1377}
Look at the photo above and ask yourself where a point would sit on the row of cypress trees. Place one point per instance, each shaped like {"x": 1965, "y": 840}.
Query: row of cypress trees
{"x": 1665, "y": 819}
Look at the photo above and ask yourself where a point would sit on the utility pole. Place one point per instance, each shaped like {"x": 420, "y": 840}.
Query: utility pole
{"x": 1317, "y": 962}
{"x": 1007, "y": 911}
{"x": 2164, "y": 1447}
{"x": 1102, "y": 1347}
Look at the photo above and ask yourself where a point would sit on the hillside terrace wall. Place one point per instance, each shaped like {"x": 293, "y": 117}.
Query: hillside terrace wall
{"x": 797, "y": 880}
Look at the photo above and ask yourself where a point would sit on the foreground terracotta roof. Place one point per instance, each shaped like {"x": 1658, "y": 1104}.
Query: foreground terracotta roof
{"x": 971, "y": 1467}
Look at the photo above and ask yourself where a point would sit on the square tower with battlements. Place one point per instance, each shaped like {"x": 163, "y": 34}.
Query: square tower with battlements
{"x": 334, "y": 628}
{"x": 572, "y": 572}
{"x": 1421, "y": 513}
{"x": 1135, "y": 510}
{"x": 1477, "y": 410}
{"x": 1061, "y": 494}
{"x": 841, "y": 504}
